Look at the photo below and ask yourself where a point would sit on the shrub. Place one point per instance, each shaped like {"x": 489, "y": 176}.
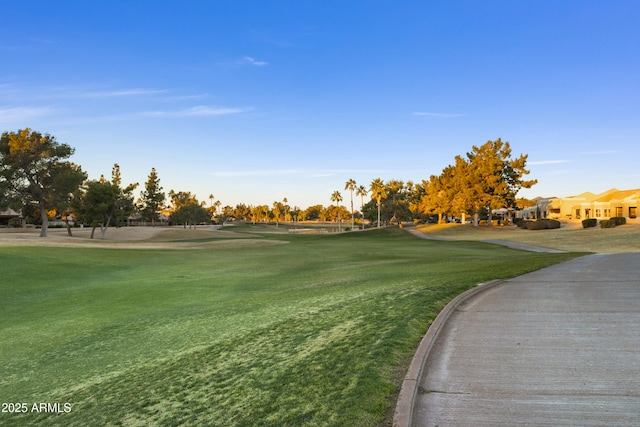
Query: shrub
{"x": 618, "y": 220}
{"x": 15, "y": 223}
{"x": 551, "y": 223}
{"x": 590, "y": 222}
{"x": 536, "y": 225}
{"x": 607, "y": 223}
{"x": 541, "y": 224}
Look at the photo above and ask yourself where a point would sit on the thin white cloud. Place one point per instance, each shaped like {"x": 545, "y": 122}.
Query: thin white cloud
{"x": 251, "y": 61}
{"x": 437, "y": 115}
{"x": 120, "y": 92}
{"x": 18, "y": 114}
{"x": 548, "y": 162}
{"x": 197, "y": 111}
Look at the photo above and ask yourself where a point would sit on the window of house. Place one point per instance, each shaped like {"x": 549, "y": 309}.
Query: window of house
{"x": 587, "y": 213}
{"x": 633, "y": 212}
{"x": 598, "y": 213}
{"x": 607, "y": 212}
{"x": 619, "y": 211}
{"x": 577, "y": 213}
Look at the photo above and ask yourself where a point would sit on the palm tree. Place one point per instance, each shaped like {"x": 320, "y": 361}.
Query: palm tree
{"x": 377, "y": 189}
{"x": 362, "y": 191}
{"x": 337, "y": 197}
{"x": 286, "y": 208}
{"x": 351, "y": 185}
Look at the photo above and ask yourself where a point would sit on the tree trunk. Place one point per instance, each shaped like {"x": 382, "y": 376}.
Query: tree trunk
{"x": 104, "y": 226}
{"x": 93, "y": 231}
{"x": 45, "y": 221}
{"x": 66, "y": 221}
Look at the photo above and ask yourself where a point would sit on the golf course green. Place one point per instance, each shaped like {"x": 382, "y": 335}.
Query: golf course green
{"x": 245, "y": 327}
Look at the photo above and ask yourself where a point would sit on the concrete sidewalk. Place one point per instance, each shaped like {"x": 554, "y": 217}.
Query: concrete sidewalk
{"x": 559, "y": 346}
{"x": 507, "y": 243}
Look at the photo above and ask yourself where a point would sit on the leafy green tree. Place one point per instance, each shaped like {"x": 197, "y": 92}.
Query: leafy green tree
{"x": 125, "y": 205}
{"x": 397, "y": 196}
{"x": 377, "y": 188}
{"x": 67, "y": 181}
{"x": 96, "y": 205}
{"x": 415, "y": 192}
{"x": 312, "y": 213}
{"x": 440, "y": 192}
{"x": 33, "y": 172}
{"x": 104, "y": 203}
{"x": 186, "y": 210}
{"x": 295, "y": 213}
{"x": 278, "y": 211}
{"x": 494, "y": 178}
{"x": 242, "y": 211}
{"x": 152, "y": 198}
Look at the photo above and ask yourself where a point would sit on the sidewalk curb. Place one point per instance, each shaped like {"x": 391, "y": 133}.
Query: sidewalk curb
{"x": 404, "y": 407}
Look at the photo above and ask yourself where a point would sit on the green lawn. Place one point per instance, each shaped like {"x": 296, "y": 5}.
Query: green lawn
{"x": 299, "y": 330}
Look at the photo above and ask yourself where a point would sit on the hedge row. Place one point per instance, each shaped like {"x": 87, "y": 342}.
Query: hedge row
{"x": 541, "y": 224}
{"x": 612, "y": 222}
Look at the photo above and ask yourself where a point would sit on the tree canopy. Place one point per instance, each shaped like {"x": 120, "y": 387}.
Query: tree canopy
{"x": 33, "y": 170}
{"x": 104, "y": 203}
{"x": 152, "y": 198}
{"x": 186, "y": 210}
{"x": 488, "y": 178}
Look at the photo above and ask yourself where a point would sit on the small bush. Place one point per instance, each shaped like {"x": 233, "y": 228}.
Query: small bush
{"x": 542, "y": 224}
{"x": 607, "y": 223}
{"x": 618, "y": 220}
{"x": 551, "y": 223}
{"x": 590, "y": 222}
{"x": 15, "y": 223}
{"x": 536, "y": 225}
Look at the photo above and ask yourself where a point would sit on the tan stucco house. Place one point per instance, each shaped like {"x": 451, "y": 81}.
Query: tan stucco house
{"x": 605, "y": 205}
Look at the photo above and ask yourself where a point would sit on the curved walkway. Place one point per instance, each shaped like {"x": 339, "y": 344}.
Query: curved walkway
{"x": 559, "y": 346}
{"x": 508, "y": 243}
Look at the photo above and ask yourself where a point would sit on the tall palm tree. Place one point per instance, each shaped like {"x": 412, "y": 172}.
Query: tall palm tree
{"x": 377, "y": 189}
{"x": 337, "y": 197}
{"x": 286, "y": 208}
{"x": 351, "y": 186}
{"x": 362, "y": 191}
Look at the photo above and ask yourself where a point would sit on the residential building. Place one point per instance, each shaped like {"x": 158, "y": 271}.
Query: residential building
{"x": 9, "y": 214}
{"x": 611, "y": 203}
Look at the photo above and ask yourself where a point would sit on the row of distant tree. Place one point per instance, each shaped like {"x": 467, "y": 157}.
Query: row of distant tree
{"x": 37, "y": 176}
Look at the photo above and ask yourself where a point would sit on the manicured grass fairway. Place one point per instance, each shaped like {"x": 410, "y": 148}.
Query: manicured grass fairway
{"x": 316, "y": 331}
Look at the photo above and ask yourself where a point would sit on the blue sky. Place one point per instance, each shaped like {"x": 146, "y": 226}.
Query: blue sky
{"x": 255, "y": 101}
